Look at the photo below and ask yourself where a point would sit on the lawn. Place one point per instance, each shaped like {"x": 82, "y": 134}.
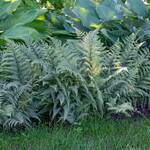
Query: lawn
{"x": 91, "y": 134}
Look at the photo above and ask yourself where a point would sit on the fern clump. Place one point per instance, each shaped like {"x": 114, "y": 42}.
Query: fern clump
{"x": 66, "y": 81}
{"x": 127, "y": 69}
{"x": 14, "y": 65}
{"x": 17, "y": 107}
{"x": 16, "y": 88}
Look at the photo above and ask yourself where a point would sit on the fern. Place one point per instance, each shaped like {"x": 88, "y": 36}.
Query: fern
{"x": 90, "y": 51}
{"x": 88, "y": 54}
{"x": 66, "y": 81}
{"x": 61, "y": 74}
{"x": 14, "y": 66}
{"x": 16, "y": 105}
{"x": 129, "y": 60}
{"x": 16, "y": 95}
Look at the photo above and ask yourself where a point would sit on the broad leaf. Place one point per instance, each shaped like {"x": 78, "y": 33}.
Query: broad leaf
{"x": 24, "y": 16}
{"x": 21, "y": 32}
{"x": 7, "y": 7}
{"x": 137, "y": 6}
{"x": 110, "y": 10}
{"x": 85, "y": 10}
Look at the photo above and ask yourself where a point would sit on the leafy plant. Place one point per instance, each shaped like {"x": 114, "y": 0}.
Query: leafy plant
{"x": 17, "y": 106}
{"x": 125, "y": 108}
{"x": 115, "y": 18}
{"x": 66, "y": 81}
{"x": 57, "y": 4}
{"x": 17, "y": 21}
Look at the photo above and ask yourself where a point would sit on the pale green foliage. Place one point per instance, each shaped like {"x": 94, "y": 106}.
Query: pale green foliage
{"x": 16, "y": 105}
{"x": 124, "y": 108}
{"x": 64, "y": 82}
{"x": 14, "y": 66}
{"x": 131, "y": 79}
{"x": 16, "y": 95}
{"x": 129, "y": 65}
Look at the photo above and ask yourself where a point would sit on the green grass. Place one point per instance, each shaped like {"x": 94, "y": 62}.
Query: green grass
{"x": 91, "y": 134}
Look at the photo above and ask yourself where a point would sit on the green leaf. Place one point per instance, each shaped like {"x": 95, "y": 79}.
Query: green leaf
{"x": 137, "y": 6}
{"x": 22, "y": 17}
{"x": 31, "y": 3}
{"x": 108, "y": 35}
{"x": 110, "y": 10}
{"x": 106, "y": 13}
{"x": 84, "y": 3}
{"x": 85, "y": 10}
{"x": 7, "y": 8}
{"x": 21, "y": 32}
{"x": 62, "y": 32}
{"x": 40, "y": 26}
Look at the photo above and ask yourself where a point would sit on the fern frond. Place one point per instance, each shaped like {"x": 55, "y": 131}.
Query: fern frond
{"x": 90, "y": 50}
{"x": 14, "y": 66}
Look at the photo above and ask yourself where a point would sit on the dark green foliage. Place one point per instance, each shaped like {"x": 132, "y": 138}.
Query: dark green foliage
{"x": 19, "y": 18}
{"x": 58, "y": 4}
{"x": 115, "y": 18}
